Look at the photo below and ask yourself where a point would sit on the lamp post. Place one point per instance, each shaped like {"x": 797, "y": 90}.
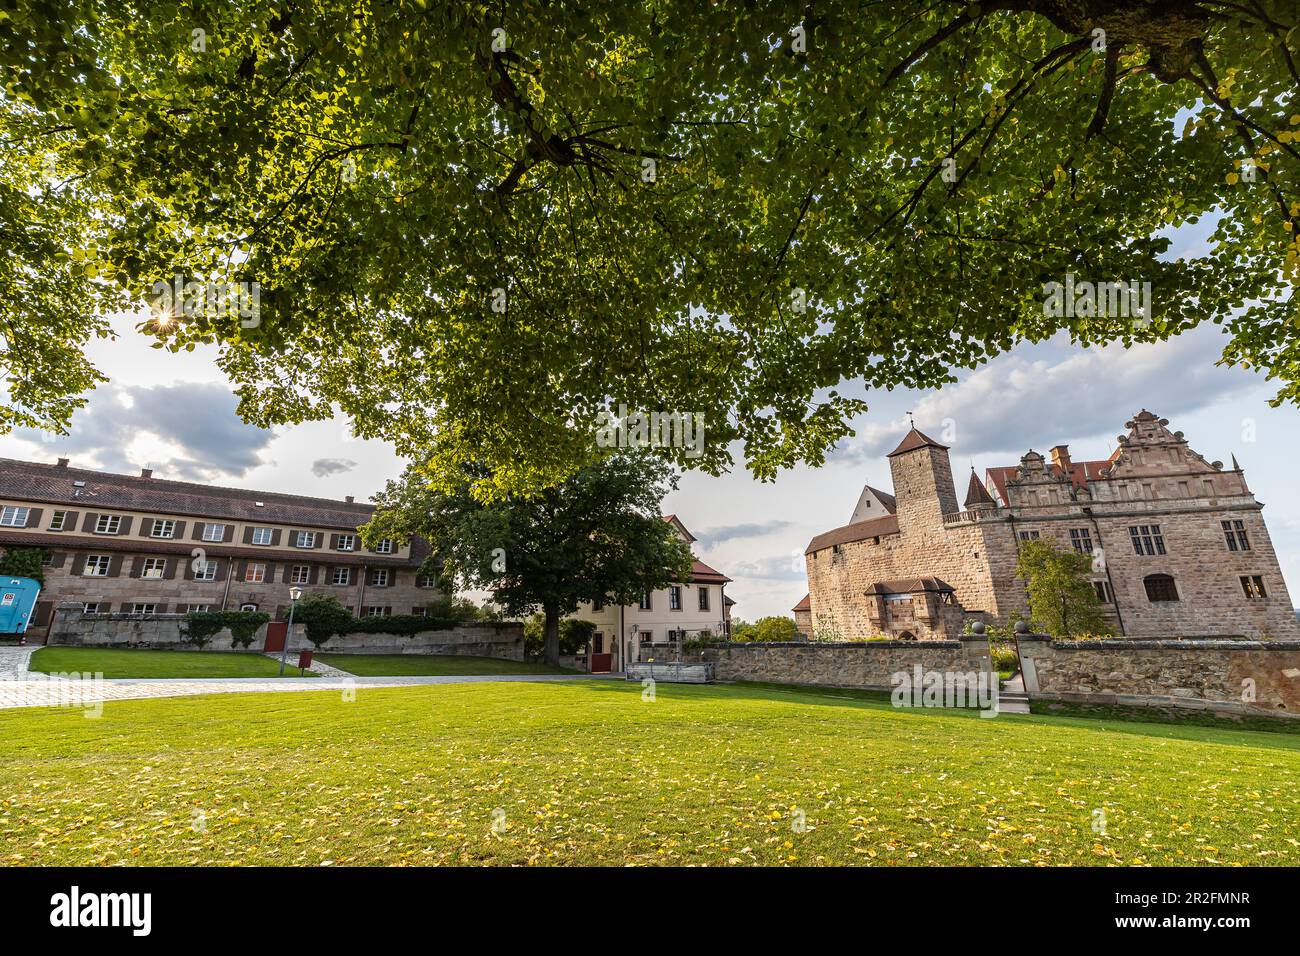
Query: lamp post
{"x": 294, "y": 595}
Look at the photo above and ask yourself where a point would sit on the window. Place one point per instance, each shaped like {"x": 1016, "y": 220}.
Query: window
{"x": 1252, "y": 585}
{"x": 204, "y": 570}
{"x": 378, "y": 612}
{"x": 305, "y": 539}
{"x": 248, "y": 607}
{"x": 97, "y": 565}
{"x": 347, "y": 542}
{"x": 674, "y": 598}
{"x": 1081, "y": 540}
{"x": 301, "y": 574}
{"x": 1234, "y": 533}
{"x": 1160, "y": 587}
{"x": 91, "y": 607}
{"x": 163, "y": 529}
{"x": 47, "y": 559}
{"x": 341, "y": 576}
{"x": 645, "y": 637}
{"x": 426, "y": 581}
{"x": 261, "y": 536}
{"x": 704, "y": 599}
{"x": 197, "y": 608}
{"x": 255, "y": 573}
{"x": 1147, "y": 539}
{"x": 645, "y": 601}
{"x": 142, "y": 609}
{"x": 153, "y": 568}
{"x": 1029, "y": 536}
{"x": 58, "y": 520}
{"x": 420, "y": 611}
{"x": 108, "y": 524}
{"x": 384, "y": 547}
{"x": 379, "y": 577}
{"x": 597, "y": 605}
{"x": 14, "y": 517}
{"x": 1104, "y": 593}
{"x": 214, "y": 532}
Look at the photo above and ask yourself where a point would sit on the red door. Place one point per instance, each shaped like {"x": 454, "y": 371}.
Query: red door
{"x": 276, "y": 632}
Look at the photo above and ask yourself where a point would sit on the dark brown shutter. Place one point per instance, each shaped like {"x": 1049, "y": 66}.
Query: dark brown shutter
{"x": 125, "y": 526}
{"x": 223, "y": 568}
{"x": 146, "y": 527}
{"x": 78, "y": 564}
{"x": 312, "y": 574}
{"x": 70, "y": 521}
{"x": 57, "y": 558}
{"x": 228, "y": 533}
{"x": 241, "y": 570}
{"x": 161, "y": 608}
{"x": 248, "y": 535}
{"x": 334, "y": 542}
{"x": 88, "y": 523}
{"x": 198, "y": 531}
{"x": 115, "y": 566}
{"x": 284, "y": 576}
{"x": 169, "y": 568}
{"x": 275, "y": 538}
{"x": 180, "y": 530}
{"x": 105, "y": 607}
{"x": 34, "y": 517}
{"x": 188, "y": 572}
{"x": 137, "y": 565}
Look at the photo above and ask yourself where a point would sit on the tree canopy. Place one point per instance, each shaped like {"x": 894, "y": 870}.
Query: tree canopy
{"x": 1062, "y": 599}
{"x": 473, "y": 229}
{"x": 597, "y": 536}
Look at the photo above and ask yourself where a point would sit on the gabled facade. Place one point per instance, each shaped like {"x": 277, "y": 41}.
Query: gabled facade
{"x": 656, "y": 626}
{"x": 1179, "y": 544}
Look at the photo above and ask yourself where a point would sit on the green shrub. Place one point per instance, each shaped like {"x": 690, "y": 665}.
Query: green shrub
{"x": 201, "y": 626}
{"x": 406, "y": 624}
{"x": 23, "y": 563}
{"x": 322, "y": 616}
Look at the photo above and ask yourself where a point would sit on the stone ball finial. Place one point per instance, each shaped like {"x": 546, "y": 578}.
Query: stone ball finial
{"x": 1217, "y": 465}
{"x": 979, "y": 628}
{"x": 1022, "y": 627}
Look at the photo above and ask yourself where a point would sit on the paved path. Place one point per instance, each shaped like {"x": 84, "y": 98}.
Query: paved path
{"x": 320, "y": 668}
{"x": 13, "y": 660}
{"x": 37, "y": 691}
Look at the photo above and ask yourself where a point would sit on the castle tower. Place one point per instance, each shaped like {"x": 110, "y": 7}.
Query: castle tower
{"x": 923, "y": 483}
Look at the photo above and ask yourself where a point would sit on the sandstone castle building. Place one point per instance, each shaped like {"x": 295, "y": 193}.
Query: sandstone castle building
{"x": 1179, "y": 544}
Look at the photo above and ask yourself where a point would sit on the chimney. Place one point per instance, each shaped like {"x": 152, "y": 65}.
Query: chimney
{"x": 63, "y": 463}
{"x": 146, "y": 472}
{"x": 349, "y": 499}
{"x": 1061, "y": 458}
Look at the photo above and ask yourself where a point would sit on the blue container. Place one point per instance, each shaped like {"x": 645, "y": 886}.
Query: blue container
{"x": 17, "y": 600}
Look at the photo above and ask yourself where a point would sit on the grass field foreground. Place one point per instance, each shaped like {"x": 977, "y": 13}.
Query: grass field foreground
{"x": 594, "y": 773}
{"x": 130, "y": 662}
{"x": 432, "y": 665}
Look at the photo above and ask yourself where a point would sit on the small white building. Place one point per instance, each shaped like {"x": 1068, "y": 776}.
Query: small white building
{"x": 656, "y": 626}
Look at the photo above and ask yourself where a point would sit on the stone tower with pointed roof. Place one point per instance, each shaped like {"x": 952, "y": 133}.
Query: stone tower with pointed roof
{"x": 1179, "y": 545}
{"x": 923, "y": 488}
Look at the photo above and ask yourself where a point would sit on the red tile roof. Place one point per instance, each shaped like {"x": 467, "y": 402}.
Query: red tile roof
{"x": 804, "y": 605}
{"x": 1080, "y": 473}
{"x": 53, "y": 484}
{"x": 701, "y": 573}
{"x": 858, "y": 531}
{"x": 913, "y": 440}
{"x": 976, "y": 493}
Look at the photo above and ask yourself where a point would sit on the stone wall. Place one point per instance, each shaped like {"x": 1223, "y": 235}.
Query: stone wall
{"x": 1259, "y": 677}
{"x": 72, "y": 627}
{"x": 861, "y": 664}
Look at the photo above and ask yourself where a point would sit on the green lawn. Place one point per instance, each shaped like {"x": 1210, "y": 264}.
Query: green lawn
{"x": 589, "y": 772}
{"x": 432, "y": 665}
{"x": 125, "y": 662}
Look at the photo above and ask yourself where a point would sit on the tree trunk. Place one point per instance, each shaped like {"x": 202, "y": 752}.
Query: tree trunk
{"x": 551, "y": 634}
